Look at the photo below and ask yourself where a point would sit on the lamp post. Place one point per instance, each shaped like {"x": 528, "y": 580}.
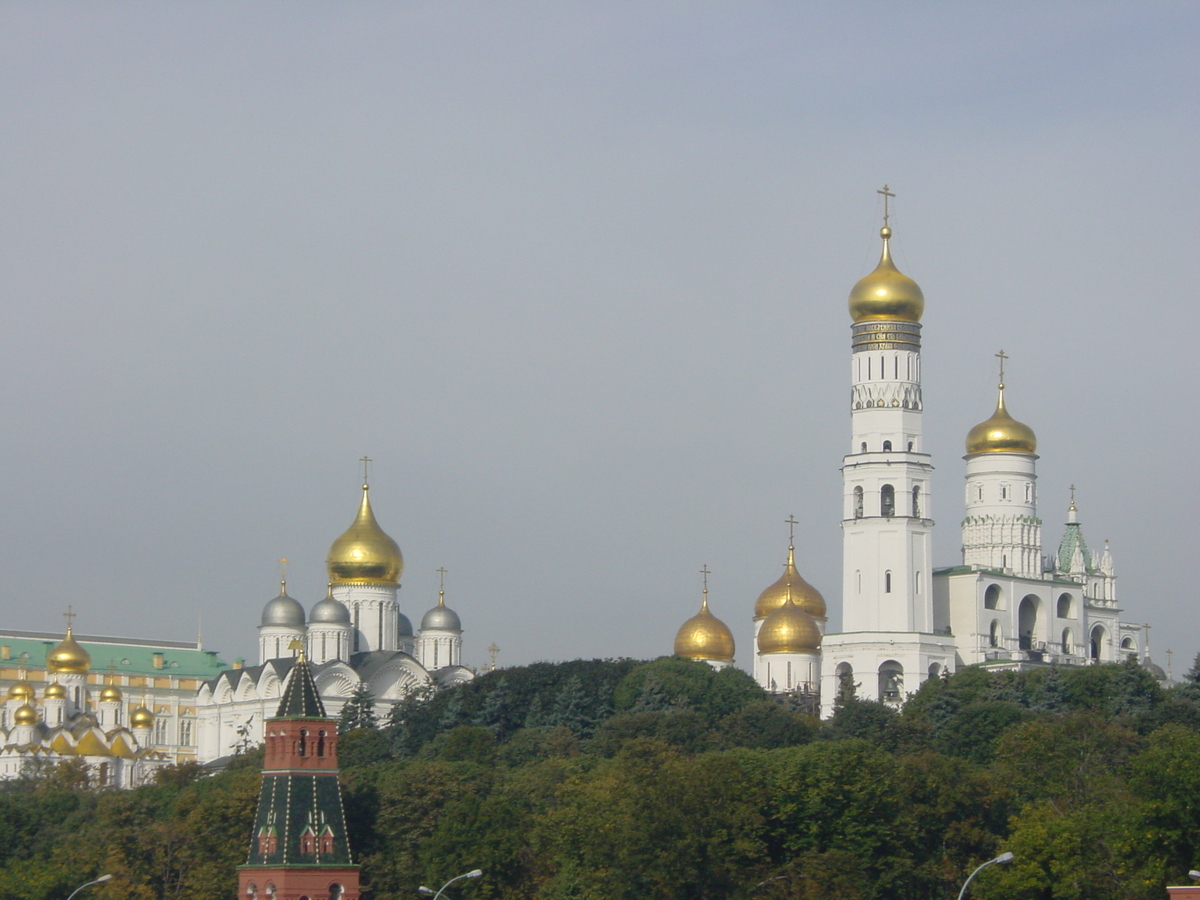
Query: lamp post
{"x": 1194, "y": 875}
{"x": 100, "y": 880}
{"x": 429, "y": 892}
{"x": 1002, "y": 858}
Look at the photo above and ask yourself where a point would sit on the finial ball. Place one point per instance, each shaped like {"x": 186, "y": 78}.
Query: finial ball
{"x": 885, "y": 232}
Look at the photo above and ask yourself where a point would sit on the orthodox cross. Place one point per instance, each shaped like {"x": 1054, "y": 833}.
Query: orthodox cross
{"x": 283, "y": 571}
{"x": 886, "y": 194}
{"x": 792, "y": 522}
{"x": 366, "y": 461}
{"x": 1002, "y": 356}
{"x": 442, "y": 579}
{"x": 704, "y": 571}
{"x": 492, "y": 651}
{"x": 1072, "y": 496}
{"x": 69, "y": 616}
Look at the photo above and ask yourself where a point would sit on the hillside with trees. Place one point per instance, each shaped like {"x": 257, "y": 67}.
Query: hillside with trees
{"x": 618, "y": 779}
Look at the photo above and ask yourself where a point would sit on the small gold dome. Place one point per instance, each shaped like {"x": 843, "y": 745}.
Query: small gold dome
{"x": 141, "y": 718}
{"x": 26, "y": 714}
{"x": 789, "y": 630}
{"x": 109, "y": 693}
{"x": 790, "y": 583}
{"x": 55, "y": 691}
{"x": 68, "y": 657}
{"x": 887, "y": 294}
{"x": 365, "y": 553}
{"x": 1001, "y": 433}
{"x": 20, "y": 689}
{"x": 704, "y": 636}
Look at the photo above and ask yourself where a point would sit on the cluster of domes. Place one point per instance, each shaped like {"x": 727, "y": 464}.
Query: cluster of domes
{"x": 1001, "y": 433}
{"x": 365, "y": 554}
{"x": 790, "y": 610}
{"x": 886, "y": 294}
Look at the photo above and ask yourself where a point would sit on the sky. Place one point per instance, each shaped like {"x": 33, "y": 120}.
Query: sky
{"x": 574, "y": 277}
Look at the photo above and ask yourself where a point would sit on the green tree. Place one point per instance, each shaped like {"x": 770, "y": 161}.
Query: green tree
{"x": 359, "y": 711}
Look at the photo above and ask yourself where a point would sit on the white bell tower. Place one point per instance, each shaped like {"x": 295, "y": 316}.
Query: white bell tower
{"x": 887, "y": 645}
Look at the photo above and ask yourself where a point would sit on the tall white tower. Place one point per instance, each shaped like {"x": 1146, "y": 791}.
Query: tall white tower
{"x": 887, "y": 646}
{"x": 886, "y": 521}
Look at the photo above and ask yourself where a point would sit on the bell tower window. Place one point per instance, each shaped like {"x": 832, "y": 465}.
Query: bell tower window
{"x": 887, "y": 501}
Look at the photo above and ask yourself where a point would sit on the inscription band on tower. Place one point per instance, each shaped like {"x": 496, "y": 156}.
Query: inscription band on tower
{"x": 885, "y": 335}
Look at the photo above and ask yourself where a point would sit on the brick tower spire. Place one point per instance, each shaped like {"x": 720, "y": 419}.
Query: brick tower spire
{"x": 299, "y": 847}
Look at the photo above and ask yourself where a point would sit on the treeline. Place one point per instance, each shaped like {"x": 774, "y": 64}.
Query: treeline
{"x": 615, "y": 780}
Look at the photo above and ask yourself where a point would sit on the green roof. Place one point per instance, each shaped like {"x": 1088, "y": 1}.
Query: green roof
{"x": 128, "y": 656}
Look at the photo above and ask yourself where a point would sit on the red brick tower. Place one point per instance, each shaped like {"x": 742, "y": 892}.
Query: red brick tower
{"x": 299, "y": 849}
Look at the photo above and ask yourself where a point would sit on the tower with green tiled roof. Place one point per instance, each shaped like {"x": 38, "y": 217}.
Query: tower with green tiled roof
{"x": 299, "y": 847}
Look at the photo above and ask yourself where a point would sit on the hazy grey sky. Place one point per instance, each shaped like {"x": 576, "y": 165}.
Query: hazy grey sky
{"x": 575, "y": 276}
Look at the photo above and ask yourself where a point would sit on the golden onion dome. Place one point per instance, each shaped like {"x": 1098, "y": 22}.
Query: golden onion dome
{"x": 26, "y": 714}
{"x": 141, "y": 718}
{"x": 790, "y": 584}
{"x": 55, "y": 691}
{"x": 789, "y": 630}
{"x": 887, "y": 294}
{"x": 68, "y": 657}
{"x": 1001, "y": 433}
{"x": 20, "y": 689}
{"x": 704, "y": 637}
{"x": 365, "y": 554}
{"x": 109, "y": 693}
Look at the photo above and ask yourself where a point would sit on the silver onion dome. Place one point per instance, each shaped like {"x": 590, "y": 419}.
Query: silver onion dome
{"x": 403, "y": 625}
{"x": 283, "y": 610}
{"x": 329, "y": 611}
{"x": 441, "y": 618}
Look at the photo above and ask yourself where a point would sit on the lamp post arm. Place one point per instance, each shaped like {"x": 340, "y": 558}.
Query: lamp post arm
{"x": 1002, "y": 858}
{"x": 100, "y": 880}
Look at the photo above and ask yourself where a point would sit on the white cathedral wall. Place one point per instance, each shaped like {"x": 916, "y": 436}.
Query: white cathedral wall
{"x": 914, "y": 657}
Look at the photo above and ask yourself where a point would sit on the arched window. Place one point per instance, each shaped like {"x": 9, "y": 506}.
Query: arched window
{"x": 994, "y": 634}
{"x": 858, "y": 502}
{"x": 910, "y": 446}
{"x": 864, "y": 446}
{"x": 1027, "y": 617}
{"x": 887, "y": 446}
{"x": 1064, "y": 606}
{"x": 916, "y": 501}
{"x": 887, "y": 582}
{"x": 887, "y": 501}
{"x": 302, "y": 747}
{"x": 1066, "y": 640}
{"x": 1097, "y": 643}
{"x": 991, "y": 597}
{"x": 321, "y": 742}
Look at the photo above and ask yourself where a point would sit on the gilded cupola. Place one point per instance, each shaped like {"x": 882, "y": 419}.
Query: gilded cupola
{"x": 365, "y": 554}
{"x": 68, "y": 658}
{"x": 21, "y": 689}
{"x": 55, "y": 691}
{"x": 704, "y": 636}
{"x": 141, "y": 718}
{"x": 887, "y": 294}
{"x": 26, "y": 714}
{"x": 790, "y": 584}
{"x": 1001, "y": 433}
{"x": 789, "y": 629}
{"x": 110, "y": 693}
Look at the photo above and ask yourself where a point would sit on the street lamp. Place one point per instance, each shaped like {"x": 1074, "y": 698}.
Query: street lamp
{"x": 1002, "y": 858}
{"x": 100, "y": 880}
{"x": 429, "y": 892}
{"x": 1194, "y": 875}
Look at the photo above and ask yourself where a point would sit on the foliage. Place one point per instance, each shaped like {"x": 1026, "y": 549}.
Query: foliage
{"x": 668, "y": 780}
{"x": 359, "y": 711}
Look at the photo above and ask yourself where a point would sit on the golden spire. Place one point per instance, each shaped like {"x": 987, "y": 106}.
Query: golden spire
{"x": 887, "y": 294}
{"x": 704, "y": 636}
{"x": 365, "y": 553}
{"x": 1001, "y": 433}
